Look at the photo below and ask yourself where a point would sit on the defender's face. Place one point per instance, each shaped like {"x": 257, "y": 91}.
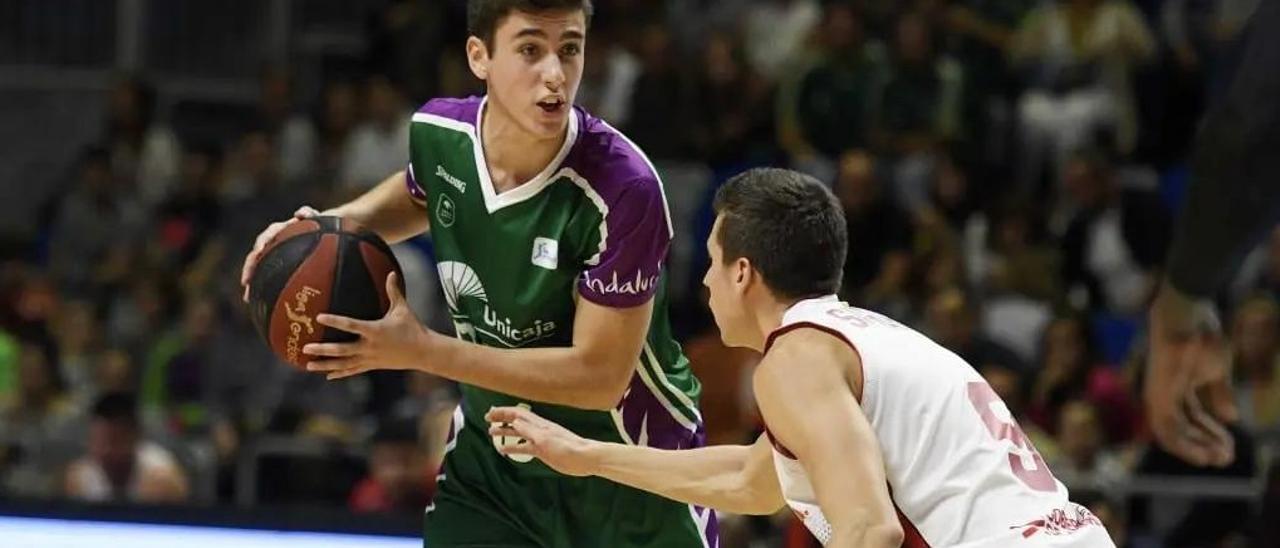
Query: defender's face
{"x": 534, "y": 68}
{"x": 725, "y": 287}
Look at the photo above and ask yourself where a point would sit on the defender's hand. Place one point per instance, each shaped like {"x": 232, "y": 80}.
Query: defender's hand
{"x": 562, "y": 450}
{"x": 260, "y": 244}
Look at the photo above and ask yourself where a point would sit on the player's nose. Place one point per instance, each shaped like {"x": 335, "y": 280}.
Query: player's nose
{"x": 553, "y": 74}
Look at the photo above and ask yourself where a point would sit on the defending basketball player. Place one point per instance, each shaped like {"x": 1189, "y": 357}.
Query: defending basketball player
{"x": 550, "y": 231}
{"x": 875, "y": 435}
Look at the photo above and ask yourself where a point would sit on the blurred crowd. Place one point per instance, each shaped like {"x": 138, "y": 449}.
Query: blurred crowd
{"x": 1009, "y": 170}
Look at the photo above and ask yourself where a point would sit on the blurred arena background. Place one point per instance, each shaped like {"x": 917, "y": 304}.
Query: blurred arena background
{"x": 1010, "y": 171}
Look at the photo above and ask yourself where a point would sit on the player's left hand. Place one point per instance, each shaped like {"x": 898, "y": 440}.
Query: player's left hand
{"x": 557, "y": 447}
{"x": 1188, "y": 386}
{"x": 395, "y": 341}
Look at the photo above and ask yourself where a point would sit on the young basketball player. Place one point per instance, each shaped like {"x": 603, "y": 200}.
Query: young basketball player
{"x": 550, "y": 230}
{"x": 875, "y": 435}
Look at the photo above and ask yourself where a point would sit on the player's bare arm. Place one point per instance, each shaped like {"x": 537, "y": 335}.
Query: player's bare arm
{"x": 591, "y": 374}
{"x": 387, "y": 209}
{"x": 805, "y": 387}
{"x": 734, "y": 478}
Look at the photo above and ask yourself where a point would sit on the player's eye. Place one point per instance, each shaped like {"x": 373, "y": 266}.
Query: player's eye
{"x": 570, "y": 50}
{"x": 529, "y": 51}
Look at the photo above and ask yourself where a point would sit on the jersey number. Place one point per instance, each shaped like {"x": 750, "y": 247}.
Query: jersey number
{"x": 1038, "y": 478}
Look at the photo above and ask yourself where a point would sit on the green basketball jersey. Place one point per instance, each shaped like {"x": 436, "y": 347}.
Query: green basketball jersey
{"x": 593, "y": 225}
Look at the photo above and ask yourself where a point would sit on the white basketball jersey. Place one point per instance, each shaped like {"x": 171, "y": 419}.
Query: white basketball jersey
{"x": 960, "y": 470}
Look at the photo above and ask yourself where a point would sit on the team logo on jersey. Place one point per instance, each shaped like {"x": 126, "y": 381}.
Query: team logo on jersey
{"x": 546, "y": 253}
{"x": 460, "y": 281}
{"x": 446, "y": 212}
{"x": 449, "y": 178}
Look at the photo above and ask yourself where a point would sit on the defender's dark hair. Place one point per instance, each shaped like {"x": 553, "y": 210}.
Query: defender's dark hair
{"x": 483, "y": 16}
{"x": 789, "y": 225}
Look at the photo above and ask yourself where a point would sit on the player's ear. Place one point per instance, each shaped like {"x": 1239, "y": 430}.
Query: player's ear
{"x": 478, "y": 57}
{"x": 742, "y": 274}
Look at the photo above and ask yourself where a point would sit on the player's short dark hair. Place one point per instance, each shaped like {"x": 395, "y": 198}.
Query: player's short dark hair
{"x": 483, "y": 16}
{"x": 789, "y": 225}
{"x": 117, "y": 407}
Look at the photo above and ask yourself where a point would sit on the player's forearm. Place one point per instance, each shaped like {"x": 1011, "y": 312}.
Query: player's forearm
{"x": 559, "y": 375}
{"x": 1234, "y": 196}
{"x": 387, "y": 209}
{"x": 708, "y": 476}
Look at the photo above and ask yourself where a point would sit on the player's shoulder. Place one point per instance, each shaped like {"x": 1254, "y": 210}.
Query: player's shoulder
{"x": 604, "y": 155}
{"x": 450, "y": 110}
{"x": 802, "y": 346}
{"x": 808, "y": 340}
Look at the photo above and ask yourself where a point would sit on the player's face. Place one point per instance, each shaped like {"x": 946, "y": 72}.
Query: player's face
{"x": 725, "y": 287}
{"x": 533, "y": 70}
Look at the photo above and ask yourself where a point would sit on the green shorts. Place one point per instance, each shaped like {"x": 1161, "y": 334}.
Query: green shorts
{"x": 484, "y": 500}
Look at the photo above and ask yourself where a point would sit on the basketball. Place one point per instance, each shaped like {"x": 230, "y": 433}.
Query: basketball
{"x": 314, "y": 266}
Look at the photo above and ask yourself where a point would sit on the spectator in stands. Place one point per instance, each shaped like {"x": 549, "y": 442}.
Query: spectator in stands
{"x": 37, "y": 425}
{"x": 139, "y": 311}
{"x": 982, "y": 32}
{"x": 96, "y": 227}
{"x": 1069, "y": 370}
{"x": 78, "y": 336}
{"x": 917, "y": 109}
{"x": 115, "y": 372}
{"x": 293, "y": 133}
{"x": 1260, "y": 272}
{"x": 735, "y": 107}
{"x": 1115, "y": 244}
{"x": 120, "y": 465}
{"x": 879, "y": 232}
{"x": 399, "y": 479}
{"x": 143, "y": 151}
{"x": 377, "y": 146}
{"x": 1255, "y": 341}
{"x": 663, "y": 124}
{"x": 1016, "y": 269}
{"x": 608, "y": 77}
{"x": 951, "y": 321}
{"x": 175, "y": 380}
{"x": 41, "y": 405}
{"x": 339, "y": 114}
{"x": 1018, "y": 259}
{"x": 1079, "y": 56}
{"x": 1084, "y": 459}
{"x": 776, "y": 32}
{"x": 829, "y": 109}
{"x": 188, "y": 219}
{"x": 255, "y": 193}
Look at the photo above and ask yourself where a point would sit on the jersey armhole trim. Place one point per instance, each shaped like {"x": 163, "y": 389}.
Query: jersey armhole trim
{"x": 862, "y": 371}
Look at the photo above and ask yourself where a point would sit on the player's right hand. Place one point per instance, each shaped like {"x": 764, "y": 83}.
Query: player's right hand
{"x": 557, "y": 447}
{"x": 255, "y": 254}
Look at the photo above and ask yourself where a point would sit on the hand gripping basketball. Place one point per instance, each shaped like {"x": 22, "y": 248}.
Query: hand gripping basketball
{"x": 396, "y": 341}
{"x": 260, "y": 245}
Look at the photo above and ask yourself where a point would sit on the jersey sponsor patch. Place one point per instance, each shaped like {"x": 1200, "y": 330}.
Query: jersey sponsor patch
{"x": 546, "y": 253}
{"x": 446, "y": 211}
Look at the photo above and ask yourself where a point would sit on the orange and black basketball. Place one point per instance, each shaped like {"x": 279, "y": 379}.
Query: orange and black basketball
{"x": 314, "y": 266}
